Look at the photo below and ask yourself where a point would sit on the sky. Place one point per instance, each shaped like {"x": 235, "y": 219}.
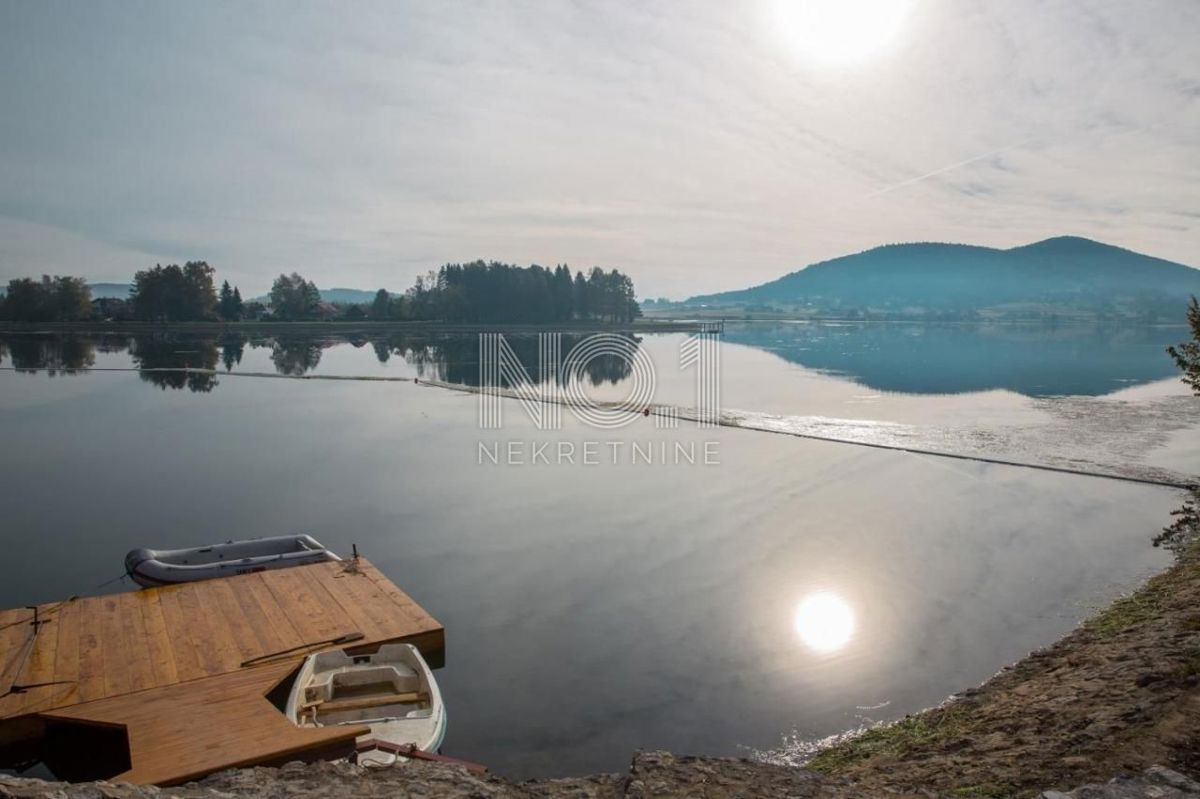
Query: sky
{"x": 697, "y": 146}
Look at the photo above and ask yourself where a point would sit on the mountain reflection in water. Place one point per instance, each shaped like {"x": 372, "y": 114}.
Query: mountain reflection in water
{"x": 1034, "y": 360}
{"x": 922, "y": 359}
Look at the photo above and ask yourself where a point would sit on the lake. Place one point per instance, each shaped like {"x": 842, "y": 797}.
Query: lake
{"x": 784, "y": 590}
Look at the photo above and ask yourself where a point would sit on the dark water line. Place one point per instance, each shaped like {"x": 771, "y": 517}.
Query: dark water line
{"x": 964, "y": 457}
{"x": 657, "y": 410}
{"x": 725, "y": 421}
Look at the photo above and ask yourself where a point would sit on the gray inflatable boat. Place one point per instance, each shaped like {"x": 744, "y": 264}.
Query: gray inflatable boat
{"x": 154, "y": 567}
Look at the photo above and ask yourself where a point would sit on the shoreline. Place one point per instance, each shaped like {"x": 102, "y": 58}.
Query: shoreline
{"x": 1119, "y": 695}
{"x": 345, "y": 327}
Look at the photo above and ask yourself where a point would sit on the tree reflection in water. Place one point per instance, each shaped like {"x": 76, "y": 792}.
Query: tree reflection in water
{"x": 232, "y": 347}
{"x": 455, "y": 359}
{"x": 189, "y": 361}
{"x": 54, "y": 354}
{"x": 296, "y": 355}
{"x": 180, "y": 357}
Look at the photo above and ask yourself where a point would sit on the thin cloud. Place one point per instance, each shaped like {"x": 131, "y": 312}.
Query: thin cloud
{"x": 675, "y": 142}
{"x": 950, "y": 168}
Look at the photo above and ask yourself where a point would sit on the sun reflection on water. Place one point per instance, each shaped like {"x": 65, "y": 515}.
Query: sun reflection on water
{"x": 824, "y": 621}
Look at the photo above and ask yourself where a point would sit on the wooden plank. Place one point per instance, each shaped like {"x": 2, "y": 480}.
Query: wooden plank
{"x": 224, "y": 602}
{"x": 14, "y": 635}
{"x": 158, "y": 643}
{"x": 137, "y": 656}
{"x": 357, "y": 615}
{"x": 315, "y": 622}
{"x": 182, "y": 732}
{"x": 38, "y": 667}
{"x": 91, "y": 653}
{"x": 220, "y": 651}
{"x": 51, "y": 674}
{"x": 115, "y": 674}
{"x": 379, "y": 599}
{"x": 361, "y": 599}
{"x": 188, "y": 665}
{"x": 128, "y": 644}
{"x": 415, "y": 612}
{"x": 272, "y": 623}
{"x": 66, "y": 656}
{"x": 200, "y": 634}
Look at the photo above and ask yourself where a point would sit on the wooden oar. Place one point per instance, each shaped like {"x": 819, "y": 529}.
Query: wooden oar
{"x": 345, "y": 638}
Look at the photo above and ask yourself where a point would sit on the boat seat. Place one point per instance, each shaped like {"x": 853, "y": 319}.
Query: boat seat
{"x": 335, "y": 705}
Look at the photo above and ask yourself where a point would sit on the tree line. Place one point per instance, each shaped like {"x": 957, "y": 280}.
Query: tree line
{"x": 482, "y": 292}
{"x": 51, "y": 299}
{"x": 475, "y": 292}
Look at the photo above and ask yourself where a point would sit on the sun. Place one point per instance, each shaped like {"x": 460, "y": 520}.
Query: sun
{"x": 824, "y": 621}
{"x": 838, "y": 31}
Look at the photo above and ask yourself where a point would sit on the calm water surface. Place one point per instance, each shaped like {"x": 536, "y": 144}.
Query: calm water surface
{"x": 795, "y": 588}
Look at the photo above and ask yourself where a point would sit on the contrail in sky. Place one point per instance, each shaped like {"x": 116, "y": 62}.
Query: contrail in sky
{"x": 945, "y": 169}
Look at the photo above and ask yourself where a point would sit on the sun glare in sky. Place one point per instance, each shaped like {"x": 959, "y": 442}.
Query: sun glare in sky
{"x": 824, "y": 621}
{"x": 838, "y": 31}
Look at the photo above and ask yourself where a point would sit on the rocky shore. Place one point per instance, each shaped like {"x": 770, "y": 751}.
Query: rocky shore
{"x": 1112, "y": 711}
{"x": 653, "y": 775}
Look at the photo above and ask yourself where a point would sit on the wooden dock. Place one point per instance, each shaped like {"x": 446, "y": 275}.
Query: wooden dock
{"x": 184, "y": 672}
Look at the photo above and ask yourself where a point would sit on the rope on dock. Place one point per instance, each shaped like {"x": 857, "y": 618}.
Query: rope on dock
{"x": 344, "y": 638}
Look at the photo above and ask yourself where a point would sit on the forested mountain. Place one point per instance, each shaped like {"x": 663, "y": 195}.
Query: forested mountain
{"x": 1064, "y": 274}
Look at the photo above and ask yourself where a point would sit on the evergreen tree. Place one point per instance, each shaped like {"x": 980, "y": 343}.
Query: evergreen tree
{"x": 381, "y": 306}
{"x": 225, "y": 302}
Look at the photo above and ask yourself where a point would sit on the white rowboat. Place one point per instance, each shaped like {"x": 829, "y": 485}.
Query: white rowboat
{"x": 153, "y": 567}
{"x": 392, "y": 692}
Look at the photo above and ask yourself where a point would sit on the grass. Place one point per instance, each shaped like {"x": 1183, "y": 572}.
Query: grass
{"x": 929, "y": 729}
{"x": 1148, "y": 601}
{"x": 894, "y": 740}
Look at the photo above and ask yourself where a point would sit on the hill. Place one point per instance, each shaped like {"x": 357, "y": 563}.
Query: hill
{"x": 339, "y": 296}
{"x": 1067, "y": 274}
{"x": 347, "y": 296}
{"x": 119, "y": 291}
